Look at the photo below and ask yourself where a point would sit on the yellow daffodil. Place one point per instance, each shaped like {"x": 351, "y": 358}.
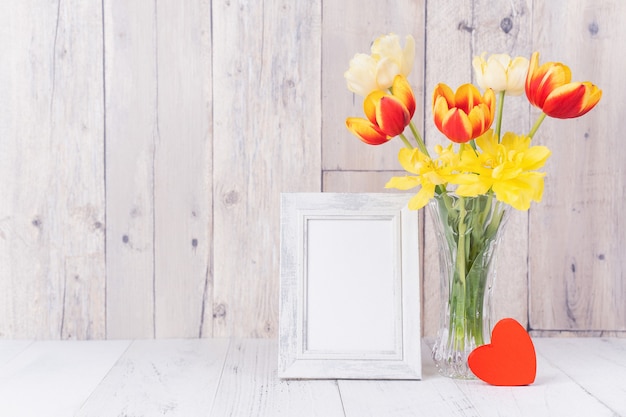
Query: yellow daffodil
{"x": 415, "y": 162}
{"x": 501, "y": 73}
{"x": 549, "y": 87}
{"x": 429, "y": 173}
{"x": 508, "y": 168}
{"x": 377, "y": 71}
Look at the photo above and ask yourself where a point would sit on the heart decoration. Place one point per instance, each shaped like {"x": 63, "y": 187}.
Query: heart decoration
{"x": 509, "y": 360}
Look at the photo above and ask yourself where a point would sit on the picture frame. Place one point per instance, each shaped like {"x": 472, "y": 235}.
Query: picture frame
{"x": 349, "y": 287}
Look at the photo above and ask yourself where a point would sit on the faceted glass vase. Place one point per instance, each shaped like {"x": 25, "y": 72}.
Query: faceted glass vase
{"x": 468, "y": 231}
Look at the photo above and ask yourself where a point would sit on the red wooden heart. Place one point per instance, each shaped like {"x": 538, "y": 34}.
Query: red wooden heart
{"x": 510, "y": 358}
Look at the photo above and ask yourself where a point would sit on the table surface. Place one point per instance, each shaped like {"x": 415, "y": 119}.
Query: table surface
{"x": 237, "y": 377}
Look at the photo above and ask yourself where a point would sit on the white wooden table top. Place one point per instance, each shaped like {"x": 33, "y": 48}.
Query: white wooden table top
{"x": 220, "y": 377}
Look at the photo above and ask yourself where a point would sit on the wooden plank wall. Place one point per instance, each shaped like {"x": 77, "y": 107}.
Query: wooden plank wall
{"x": 144, "y": 146}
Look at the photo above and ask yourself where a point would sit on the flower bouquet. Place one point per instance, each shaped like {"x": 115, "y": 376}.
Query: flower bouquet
{"x": 470, "y": 184}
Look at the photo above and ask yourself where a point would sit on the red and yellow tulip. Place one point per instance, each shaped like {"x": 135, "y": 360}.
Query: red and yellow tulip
{"x": 464, "y": 115}
{"x": 549, "y": 88}
{"x": 387, "y": 114}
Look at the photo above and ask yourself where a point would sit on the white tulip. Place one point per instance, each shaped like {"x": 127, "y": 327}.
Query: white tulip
{"x": 377, "y": 71}
{"x": 501, "y": 73}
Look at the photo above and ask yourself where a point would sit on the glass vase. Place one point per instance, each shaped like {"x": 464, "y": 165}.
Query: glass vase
{"x": 468, "y": 230}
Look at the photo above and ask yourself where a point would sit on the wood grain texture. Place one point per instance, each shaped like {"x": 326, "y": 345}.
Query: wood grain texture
{"x": 131, "y": 128}
{"x": 167, "y": 377}
{"x": 433, "y": 396}
{"x": 51, "y": 165}
{"x": 180, "y": 377}
{"x": 266, "y": 74}
{"x": 9, "y": 349}
{"x": 54, "y": 378}
{"x": 597, "y": 363}
{"x": 578, "y": 233}
{"x": 250, "y": 386}
{"x": 358, "y": 181}
{"x": 182, "y": 171}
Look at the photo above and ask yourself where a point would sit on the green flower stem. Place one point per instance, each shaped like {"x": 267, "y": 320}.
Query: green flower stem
{"x": 418, "y": 139}
{"x": 499, "y": 114}
{"x": 485, "y": 212}
{"x": 472, "y": 225}
{"x": 540, "y": 119}
{"x": 494, "y": 224}
{"x": 459, "y": 283}
{"x": 406, "y": 142}
{"x": 460, "y": 254}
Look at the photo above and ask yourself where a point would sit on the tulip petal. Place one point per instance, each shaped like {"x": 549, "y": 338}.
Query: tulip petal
{"x": 408, "y": 55}
{"x": 542, "y": 80}
{"x": 489, "y": 98}
{"x": 445, "y": 92}
{"x": 371, "y": 103}
{"x": 592, "y": 96}
{"x": 466, "y": 97}
{"x": 533, "y": 64}
{"x": 401, "y": 89}
{"x": 564, "y": 104}
{"x": 440, "y": 109}
{"x": 361, "y": 76}
{"x": 457, "y": 126}
{"x": 496, "y": 75}
{"x": 366, "y": 131}
{"x": 386, "y": 70}
{"x": 391, "y": 116}
{"x": 567, "y": 101}
{"x": 517, "y": 76}
{"x": 480, "y": 118}
{"x": 554, "y": 76}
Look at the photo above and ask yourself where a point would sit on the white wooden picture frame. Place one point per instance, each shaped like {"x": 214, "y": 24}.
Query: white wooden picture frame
{"x": 349, "y": 287}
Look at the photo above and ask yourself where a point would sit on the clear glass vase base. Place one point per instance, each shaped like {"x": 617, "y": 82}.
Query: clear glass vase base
{"x": 468, "y": 230}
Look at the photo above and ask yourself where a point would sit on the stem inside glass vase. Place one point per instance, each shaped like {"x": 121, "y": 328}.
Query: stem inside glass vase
{"x": 467, "y": 229}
